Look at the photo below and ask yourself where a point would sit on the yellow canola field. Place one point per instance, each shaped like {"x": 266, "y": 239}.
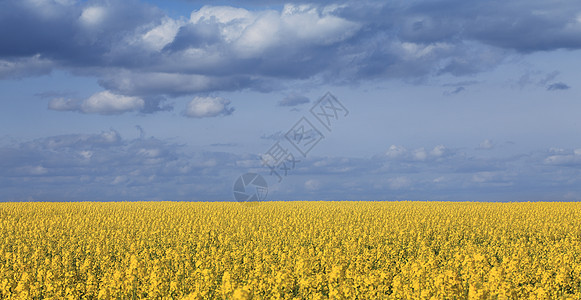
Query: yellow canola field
{"x": 285, "y": 250}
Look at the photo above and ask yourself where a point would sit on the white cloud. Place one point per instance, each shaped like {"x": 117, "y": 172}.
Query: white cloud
{"x": 486, "y": 145}
{"x": 251, "y": 33}
{"x": 260, "y": 35}
{"x": 233, "y": 21}
{"x": 119, "y": 179}
{"x": 86, "y": 154}
{"x": 107, "y": 103}
{"x": 312, "y": 185}
{"x": 396, "y": 151}
{"x": 37, "y": 170}
{"x": 204, "y": 107}
{"x": 439, "y": 151}
{"x": 110, "y": 137}
{"x": 92, "y": 15}
{"x": 62, "y": 104}
{"x": 163, "y": 34}
{"x": 293, "y": 27}
{"x": 137, "y": 83}
{"x": 104, "y": 139}
{"x": 562, "y": 157}
{"x": 439, "y": 179}
{"x": 306, "y": 23}
{"x": 412, "y": 51}
{"x": 149, "y": 153}
{"x": 420, "y": 154}
{"x": 399, "y": 183}
{"x": 222, "y": 14}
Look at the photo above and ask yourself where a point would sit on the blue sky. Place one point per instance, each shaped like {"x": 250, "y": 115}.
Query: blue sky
{"x": 173, "y": 100}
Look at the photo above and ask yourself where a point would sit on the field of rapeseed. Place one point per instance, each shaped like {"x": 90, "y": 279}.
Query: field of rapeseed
{"x": 313, "y": 250}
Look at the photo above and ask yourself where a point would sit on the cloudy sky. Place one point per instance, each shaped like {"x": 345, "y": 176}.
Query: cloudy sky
{"x": 173, "y": 100}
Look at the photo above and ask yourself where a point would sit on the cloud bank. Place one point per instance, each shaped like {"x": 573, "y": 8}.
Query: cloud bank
{"x": 137, "y": 50}
{"x": 108, "y": 166}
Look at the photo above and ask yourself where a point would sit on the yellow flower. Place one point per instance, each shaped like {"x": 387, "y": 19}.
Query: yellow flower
{"x": 290, "y": 250}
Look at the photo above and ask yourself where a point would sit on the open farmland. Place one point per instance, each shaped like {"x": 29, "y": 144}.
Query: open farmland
{"x": 312, "y": 250}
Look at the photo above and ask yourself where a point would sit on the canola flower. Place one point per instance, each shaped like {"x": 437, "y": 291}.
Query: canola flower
{"x": 290, "y": 250}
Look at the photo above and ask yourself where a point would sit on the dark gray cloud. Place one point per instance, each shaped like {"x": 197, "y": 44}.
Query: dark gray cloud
{"x": 201, "y": 35}
{"x": 293, "y": 100}
{"x": 138, "y": 51}
{"x": 77, "y": 34}
{"x": 557, "y": 86}
{"x": 461, "y": 83}
{"x": 21, "y": 67}
{"x": 539, "y": 78}
{"x": 458, "y": 86}
{"x": 455, "y": 91}
{"x": 525, "y": 26}
{"x": 154, "y": 104}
